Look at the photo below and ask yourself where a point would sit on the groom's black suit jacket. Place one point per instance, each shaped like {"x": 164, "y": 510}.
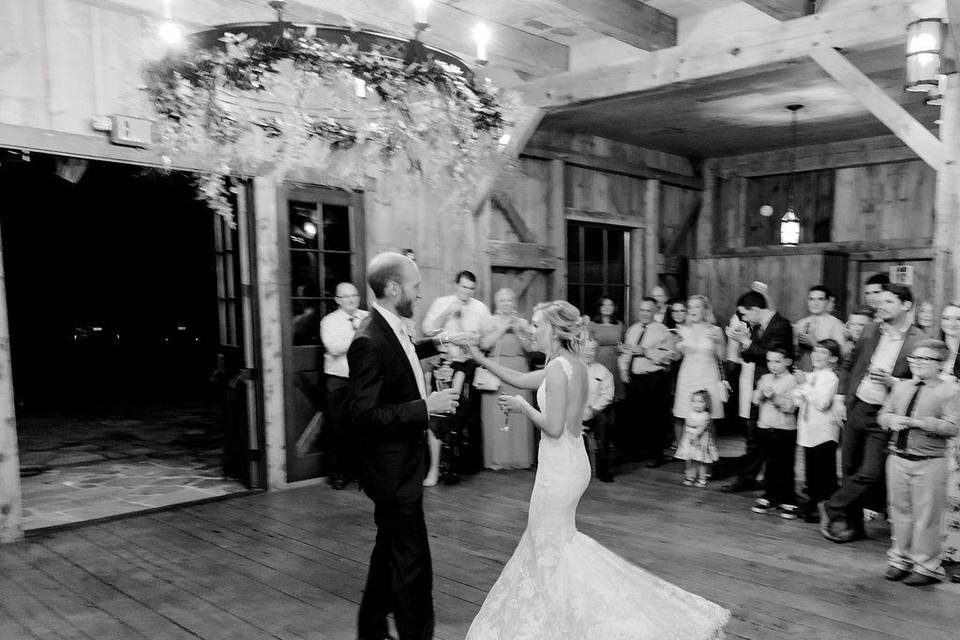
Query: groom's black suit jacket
{"x": 388, "y": 413}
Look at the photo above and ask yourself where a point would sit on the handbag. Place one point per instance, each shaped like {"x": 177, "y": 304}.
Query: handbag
{"x": 723, "y": 390}
{"x": 483, "y": 380}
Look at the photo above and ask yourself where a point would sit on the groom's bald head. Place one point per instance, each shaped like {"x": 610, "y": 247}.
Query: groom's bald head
{"x": 389, "y": 267}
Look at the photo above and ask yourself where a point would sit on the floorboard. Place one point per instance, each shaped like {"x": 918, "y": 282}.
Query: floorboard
{"x": 290, "y": 565}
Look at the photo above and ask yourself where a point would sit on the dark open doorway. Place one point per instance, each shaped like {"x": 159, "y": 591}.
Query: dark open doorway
{"x": 112, "y": 296}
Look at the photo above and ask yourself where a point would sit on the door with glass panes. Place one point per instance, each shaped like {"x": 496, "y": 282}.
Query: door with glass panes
{"x": 323, "y": 232}
{"x": 597, "y": 267}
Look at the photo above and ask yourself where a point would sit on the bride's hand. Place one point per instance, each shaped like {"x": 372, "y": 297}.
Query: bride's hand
{"x": 511, "y": 403}
{"x": 474, "y": 352}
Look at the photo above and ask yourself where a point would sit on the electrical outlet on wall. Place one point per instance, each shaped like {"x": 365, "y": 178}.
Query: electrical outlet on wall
{"x": 131, "y": 132}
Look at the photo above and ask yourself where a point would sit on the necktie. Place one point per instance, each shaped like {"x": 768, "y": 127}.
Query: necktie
{"x": 902, "y": 434}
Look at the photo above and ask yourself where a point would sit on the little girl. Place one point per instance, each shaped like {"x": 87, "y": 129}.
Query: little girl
{"x": 697, "y": 444}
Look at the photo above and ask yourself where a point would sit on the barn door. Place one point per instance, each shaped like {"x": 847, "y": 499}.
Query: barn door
{"x": 322, "y": 232}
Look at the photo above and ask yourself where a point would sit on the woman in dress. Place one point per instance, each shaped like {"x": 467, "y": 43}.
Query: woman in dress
{"x": 701, "y": 344}
{"x": 607, "y": 330}
{"x": 506, "y": 337}
{"x": 561, "y": 584}
{"x": 950, "y": 333}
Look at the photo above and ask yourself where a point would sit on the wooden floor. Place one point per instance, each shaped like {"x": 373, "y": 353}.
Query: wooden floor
{"x": 291, "y": 565}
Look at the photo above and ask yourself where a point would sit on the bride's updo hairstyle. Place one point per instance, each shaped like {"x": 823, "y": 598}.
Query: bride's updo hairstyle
{"x": 569, "y": 326}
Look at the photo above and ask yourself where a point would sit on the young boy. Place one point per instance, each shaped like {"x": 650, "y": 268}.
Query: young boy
{"x": 777, "y": 435}
{"x": 817, "y": 428}
{"x": 921, "y": 415}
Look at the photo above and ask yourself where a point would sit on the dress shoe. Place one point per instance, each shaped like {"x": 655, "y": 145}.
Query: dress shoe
{"x": 339, "y": 483}
{"x": 919, "y": 580}
{"x": 895, "y": 574}
{"x": 838, "y": 531}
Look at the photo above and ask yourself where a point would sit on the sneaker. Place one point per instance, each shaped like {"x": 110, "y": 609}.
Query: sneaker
{"x": 789, "y": 511}
{"x": 688, "y": 482}
{"x": 702, "y": 483}
{"x": 762, "y": 505}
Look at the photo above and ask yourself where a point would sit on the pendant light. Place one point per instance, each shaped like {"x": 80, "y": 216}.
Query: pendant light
{"x": 790, "y": 223}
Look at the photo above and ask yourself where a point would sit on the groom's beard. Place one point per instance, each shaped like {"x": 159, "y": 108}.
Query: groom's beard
{"x": 405, "y": 307}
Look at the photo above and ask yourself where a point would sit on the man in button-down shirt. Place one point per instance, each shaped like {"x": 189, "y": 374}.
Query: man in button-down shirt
{"x": 921, "y": 414}
{"x": 600, "y": 391}
{"x": 648, "y": 348}
{"x": 336, "y": 331}
{"x": 817, "y": 326}
{"x": 878, "y": 361}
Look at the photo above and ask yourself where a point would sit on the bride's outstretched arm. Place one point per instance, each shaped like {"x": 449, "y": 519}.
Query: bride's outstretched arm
{"x": 519, "y": 379}
{"x": 550, "y": 419}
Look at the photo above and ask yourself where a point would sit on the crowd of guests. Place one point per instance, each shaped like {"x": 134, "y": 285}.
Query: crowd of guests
{"x": 881, "y": 389}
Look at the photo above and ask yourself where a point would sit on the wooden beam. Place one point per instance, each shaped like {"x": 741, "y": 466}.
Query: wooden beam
{"x": 946, "y": 221}
{"x": 686, "y": 227}
{"x": 613, "y": 165}
{"x": 503, "y": 202}
{"x": 783, "y": 9}
{"x": 521, "y": 255}
{"x": 833, "y": 155}
{"x": 705, "y": 222}
{"x": 557, "y": 228}
{"x": 886, "y": 109}
{"x": 651, "y": 246}
{"x": 11, "y": 506}
{"x": 527, "y": 121}
{"x": 605, "y": 217}
{"x": 629, "y": 21}
{"x": 852, "y": 23}
{"x": 953, "y": 18}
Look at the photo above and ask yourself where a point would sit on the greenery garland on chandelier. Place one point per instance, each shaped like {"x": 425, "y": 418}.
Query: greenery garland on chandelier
{"x": 269, "y": 108}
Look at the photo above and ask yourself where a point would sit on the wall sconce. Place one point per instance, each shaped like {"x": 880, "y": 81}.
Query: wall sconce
{"x": 925, "y": 40}
{"x": 935, "y": 95}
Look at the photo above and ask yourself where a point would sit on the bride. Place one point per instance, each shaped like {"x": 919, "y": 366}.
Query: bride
{"x": 561, "y": 584}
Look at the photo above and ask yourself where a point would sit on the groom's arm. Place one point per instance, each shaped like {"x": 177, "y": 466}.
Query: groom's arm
{"x": 379, "y": 422}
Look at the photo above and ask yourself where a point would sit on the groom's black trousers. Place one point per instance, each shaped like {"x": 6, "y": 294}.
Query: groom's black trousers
{"x": 400, "y": 579}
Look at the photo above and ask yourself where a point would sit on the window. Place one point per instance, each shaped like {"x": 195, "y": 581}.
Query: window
{"x": 597, "y": 266}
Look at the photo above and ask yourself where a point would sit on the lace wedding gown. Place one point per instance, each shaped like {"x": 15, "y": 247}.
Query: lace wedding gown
{"x": 563, "y": 585}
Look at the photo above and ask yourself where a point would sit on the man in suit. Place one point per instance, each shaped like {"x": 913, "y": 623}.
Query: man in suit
{"x": 389, "y": 408}
{"x": 768, "y": 331}
{"x": 878, "y": 361}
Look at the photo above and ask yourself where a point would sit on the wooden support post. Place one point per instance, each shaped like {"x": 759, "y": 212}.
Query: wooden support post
{"x": 269, "y": 287}
{"x": 11, "y": 507}
{"x": 946, "y": 225}
{"x": 651, "y": 216}
{"x": 738, "y": 219}
{"x": 705, "y": 241}
{"x": 885, "y": 108}
{"x": 528, "y": 119}
{"x": 557, "y": 228}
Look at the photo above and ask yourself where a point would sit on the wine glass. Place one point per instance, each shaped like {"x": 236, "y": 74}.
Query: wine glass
{"x": 443, "y": 379}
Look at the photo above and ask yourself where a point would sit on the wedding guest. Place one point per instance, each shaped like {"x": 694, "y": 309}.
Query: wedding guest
{"x": 596, "y": 412}
{"x": 768, "y": 331}
{"x": 950, "y": 335}
{"x": 777, "y": 435}
{"x": 698, "y": 444}
{"x": 872, "y": 289}
{"x": 659, "y": 294}
{"x": 817, "y": 428}
{"x": 607, "y": 330}
{"x": 877, "y": 362}
{"x": 924, "y": 319}
{"x": 676, "y": 313}
{"x": 337, "y": 329}
{"x": 644, "y": 367}
{"x": 817, "y": 326}
{"x": 676, "y": 316}
{"x": 921, "y": 414}
{"x": 857, "y": 321}
{"x": 701, "y": 345}
{"x": 507, "y": 438}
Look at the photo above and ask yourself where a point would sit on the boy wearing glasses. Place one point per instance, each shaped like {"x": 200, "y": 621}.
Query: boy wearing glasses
{"x": 920, "y": 414}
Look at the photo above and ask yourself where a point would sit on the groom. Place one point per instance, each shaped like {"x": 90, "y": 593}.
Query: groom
{"x": 389, "y": 409}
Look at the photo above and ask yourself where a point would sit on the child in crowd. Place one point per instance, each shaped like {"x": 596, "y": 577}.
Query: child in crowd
{"x": 817, "y": 428}
{"x": 777, "y": 435}
{"x": 698, "y": 445}
{"x": 922, "y": 414}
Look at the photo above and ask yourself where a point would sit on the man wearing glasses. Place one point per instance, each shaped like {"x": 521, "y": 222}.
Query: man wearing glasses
{"x": 920, "y": 414}
{"x": 878, "y": 362}
{"x": 336, "y": 331}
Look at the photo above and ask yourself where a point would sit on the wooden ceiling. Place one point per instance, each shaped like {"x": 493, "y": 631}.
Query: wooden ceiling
{"x": 724, "y": 116}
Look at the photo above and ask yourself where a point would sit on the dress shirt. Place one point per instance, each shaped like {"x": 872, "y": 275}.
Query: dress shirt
{"x": 406, "y": 341}
{"x": 780, "y": 411}
{"x": 473, "y": 317}
{"x": 336, "y": 332}
{"x": 938, "y": 406}
{"x": 884, "y": 357}
{"x": 816, "y": 423}
{"x": 821, "y": 327}
{"x": 599, "y": 390}
{"x": 657, "y": 342}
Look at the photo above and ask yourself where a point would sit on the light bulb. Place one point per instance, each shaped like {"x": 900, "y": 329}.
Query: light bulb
{"x": 481, "y": 34}
{"x": 420, "y": 12}
{"x": 170, "y": 32}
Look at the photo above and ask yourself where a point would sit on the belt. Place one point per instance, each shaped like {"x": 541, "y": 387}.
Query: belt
{"x": 912, "y": 457}
{"x": 648, "y": 373}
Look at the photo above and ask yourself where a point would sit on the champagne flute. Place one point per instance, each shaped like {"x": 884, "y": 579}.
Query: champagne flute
{"x": 443, "y": 379}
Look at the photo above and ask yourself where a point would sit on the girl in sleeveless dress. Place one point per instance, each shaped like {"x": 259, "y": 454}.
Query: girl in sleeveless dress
{"x": 559, "y": 583}
{"x": 698, "y": 446}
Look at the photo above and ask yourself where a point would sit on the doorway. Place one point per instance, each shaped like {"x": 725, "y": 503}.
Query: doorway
{"x": 115, "y": 298}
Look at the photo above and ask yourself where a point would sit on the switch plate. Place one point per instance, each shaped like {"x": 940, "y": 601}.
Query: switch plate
{"x": 131, "y": 132}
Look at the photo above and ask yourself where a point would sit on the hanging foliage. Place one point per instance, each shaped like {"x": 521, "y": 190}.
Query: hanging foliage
{"x": 273, "y": 108}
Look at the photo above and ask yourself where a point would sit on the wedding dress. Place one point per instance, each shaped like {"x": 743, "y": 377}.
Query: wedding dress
{"x": 562, "y": 585}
